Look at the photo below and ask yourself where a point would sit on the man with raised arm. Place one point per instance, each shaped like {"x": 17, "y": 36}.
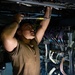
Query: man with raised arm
{"x": 23, "y": 50}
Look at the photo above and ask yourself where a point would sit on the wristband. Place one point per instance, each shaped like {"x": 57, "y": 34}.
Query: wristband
{"x": 47, "y": 17}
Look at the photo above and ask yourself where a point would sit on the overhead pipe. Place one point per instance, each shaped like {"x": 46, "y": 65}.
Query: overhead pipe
{"x": 54, "y": 5}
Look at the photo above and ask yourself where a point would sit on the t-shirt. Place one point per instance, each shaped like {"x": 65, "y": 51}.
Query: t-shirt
{"x": 26, "y": 59}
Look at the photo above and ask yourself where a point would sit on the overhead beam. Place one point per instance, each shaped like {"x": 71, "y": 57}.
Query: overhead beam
{"x": 54, "y": 5}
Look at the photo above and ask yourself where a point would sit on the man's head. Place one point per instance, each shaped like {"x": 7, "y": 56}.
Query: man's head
{"x": 26, "y": 30}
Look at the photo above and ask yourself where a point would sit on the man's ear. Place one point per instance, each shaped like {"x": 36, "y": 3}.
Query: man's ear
{"x": 19, "y": 32}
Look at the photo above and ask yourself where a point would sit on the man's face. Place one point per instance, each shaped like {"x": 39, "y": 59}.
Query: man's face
{"x": 27, "y": 31}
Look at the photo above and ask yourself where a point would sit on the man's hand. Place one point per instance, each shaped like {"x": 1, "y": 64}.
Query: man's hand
{"x": 19, "y": 18}
{"x": 49, "y": 8}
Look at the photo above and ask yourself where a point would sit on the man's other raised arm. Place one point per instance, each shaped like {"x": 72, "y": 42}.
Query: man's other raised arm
{"x": 43, "y": 25}
{"x": 7, "y": 36}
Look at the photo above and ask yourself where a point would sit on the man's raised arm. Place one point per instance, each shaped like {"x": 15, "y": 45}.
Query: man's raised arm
{"x": 43, "y": 25}
{"x": 8, "y": 34}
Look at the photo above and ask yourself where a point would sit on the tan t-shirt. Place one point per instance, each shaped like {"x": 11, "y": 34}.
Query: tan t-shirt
{"x": 26, "y": 59}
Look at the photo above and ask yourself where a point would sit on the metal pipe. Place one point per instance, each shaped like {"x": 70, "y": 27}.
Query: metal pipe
{"x": 61, "y": 67}
{"x": 37, "y": 18}
{"x": 54, "y": 5}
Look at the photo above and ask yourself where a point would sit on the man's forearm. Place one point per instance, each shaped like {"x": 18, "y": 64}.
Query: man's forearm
{"x": 10, "y": 31}
{"x": 45, "y": 23}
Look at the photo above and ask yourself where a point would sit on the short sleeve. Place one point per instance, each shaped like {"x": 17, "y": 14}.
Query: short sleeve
{"x": 16, "y": 50}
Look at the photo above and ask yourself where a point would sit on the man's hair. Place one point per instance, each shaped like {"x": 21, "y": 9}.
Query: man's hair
{"x": 26, "y": 22}
{"x": 23, "y": 22}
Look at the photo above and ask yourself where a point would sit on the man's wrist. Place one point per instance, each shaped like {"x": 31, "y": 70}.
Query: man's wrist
{"x": 17, "y": 22}
{"x": 47, "y": 17}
